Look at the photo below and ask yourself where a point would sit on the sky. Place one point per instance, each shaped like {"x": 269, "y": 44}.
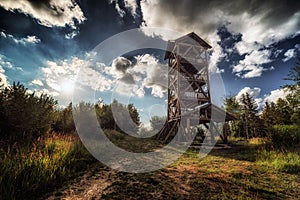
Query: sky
{"x": 52, "y": 47}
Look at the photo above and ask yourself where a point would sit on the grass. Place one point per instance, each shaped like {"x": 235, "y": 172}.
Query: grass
{"x": 27, "y": 173}
{"x": 248, "y": 170}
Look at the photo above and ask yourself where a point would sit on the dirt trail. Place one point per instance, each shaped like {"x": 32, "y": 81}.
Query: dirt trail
{"x": 228, "y": 173}
{"x": 91, "y": 185}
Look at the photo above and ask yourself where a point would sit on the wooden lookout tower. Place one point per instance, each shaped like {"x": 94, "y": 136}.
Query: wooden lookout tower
{"x": 189, "y": 100}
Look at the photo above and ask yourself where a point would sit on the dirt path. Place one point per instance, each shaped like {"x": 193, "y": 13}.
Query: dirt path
{"x": 91, "y": 185}
{"x": 224, "y": 174}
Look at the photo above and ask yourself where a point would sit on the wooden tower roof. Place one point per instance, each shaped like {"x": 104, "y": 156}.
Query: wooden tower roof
{"x": 186, "y": 38}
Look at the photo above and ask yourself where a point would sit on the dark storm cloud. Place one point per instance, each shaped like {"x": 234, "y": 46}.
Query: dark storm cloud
{"x": 209, "y": 14}
{"x": 49, "y": 12}
{"x": 121, "y": 64}
{"x": 128, "y": 79}
{"x": 275, "y": 11}
{"x": 38, "y": 4}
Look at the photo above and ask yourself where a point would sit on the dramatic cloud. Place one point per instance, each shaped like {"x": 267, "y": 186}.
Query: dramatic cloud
{"x": 133, "y": 79}
{"x": 275, "y": 95}
{"x": 119, "y": 67}
{"x": 155, "y": 74}
{"x": 130, "y": 5}
{"x": 49, "y": 12}
{"x": 251, "y": 67}
{"x": 30, "y": 39}
{"x": 260, "y": 24}
{"x": 264, "y": 20}
{"x": 289, "y": 54}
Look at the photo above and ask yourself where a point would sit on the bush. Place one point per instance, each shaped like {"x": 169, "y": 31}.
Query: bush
{"x": 24, "y": 117}
{"x": 285, "y": 136}
{"x": 30, "y": 173}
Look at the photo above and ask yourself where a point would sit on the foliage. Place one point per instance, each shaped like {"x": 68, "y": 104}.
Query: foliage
{"x": 245, "y": 110}
{"x": 108, "y": 121}
{"x": 249, "y": 115}
{"x": 158, "y": 122}
{"x": 294, "y": 97}
{"x": 269, "y": 115}
{"x": 24, "y": 116}
{"x": 63, "y": 120}
{"x": 27, "y": 172}
{"x": 285, "y": 136}
{"x": 232, "y": 106}
{"x": 284, "y": 161}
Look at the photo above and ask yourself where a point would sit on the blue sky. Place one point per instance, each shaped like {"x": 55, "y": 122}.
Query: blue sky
{"x": 43, "y": 44}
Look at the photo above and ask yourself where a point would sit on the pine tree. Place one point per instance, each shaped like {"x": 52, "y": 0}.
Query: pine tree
{"x": 232, "y": 106}
{"x": 269, "y": 115}
{"x": 249, "y": 116}
{"x": 294, "y": 97}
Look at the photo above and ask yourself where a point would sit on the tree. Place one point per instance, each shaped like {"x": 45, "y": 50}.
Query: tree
{"x": 249, "y": 116}
{"x": 107, "y": 121}
{"x": 64, "y": 121}
{"x": 294, "y": 97}
{"x": 283, "y": 112}
{"x": 24, "y": 116}
{"x": 158, "y": 122}
{"x": 232, "y": 106}
{"x": 269, "y": 115}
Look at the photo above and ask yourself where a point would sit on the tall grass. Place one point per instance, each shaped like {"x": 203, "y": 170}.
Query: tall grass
{"x": 284, "y": 161}
{"x": 28, "y": 173}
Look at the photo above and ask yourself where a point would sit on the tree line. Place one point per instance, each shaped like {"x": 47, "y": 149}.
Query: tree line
{"x": 275, "y": 116}
{"x": 25, "y": 117}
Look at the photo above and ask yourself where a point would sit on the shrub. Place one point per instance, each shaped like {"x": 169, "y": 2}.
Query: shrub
{"x": 285, "y": 136}
{"x": 24, "y": 117}
{"x": 30, "y": 173}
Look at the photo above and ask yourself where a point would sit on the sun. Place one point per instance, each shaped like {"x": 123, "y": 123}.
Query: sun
{"x": 67, "y": 86}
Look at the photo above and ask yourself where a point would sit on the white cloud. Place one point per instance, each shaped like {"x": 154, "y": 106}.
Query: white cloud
{"x": 4, "y": 64}
{"x": 44, "y": 91}
{"x": 133, "y": 79}
{"x": 71, "y": 35}
{"x": 244, "y": 47}
{"x": 253, "y": 92}
{"x": 132, "y": 6}
{"x": 37, "y": 82}
{"x": 3, "y": 78}
{"x": 289, "y": 54}
{"x": 216, "y": 54}
{"x": 30, "y": 39}
{"x": 152, "y": 74}
{"x": 251, "y": 67}
{"x": 275, "y": 95}
{"x": 57, "y": 74}
{"x": 119, "y": 10}
{"x": 48, "y": 13}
